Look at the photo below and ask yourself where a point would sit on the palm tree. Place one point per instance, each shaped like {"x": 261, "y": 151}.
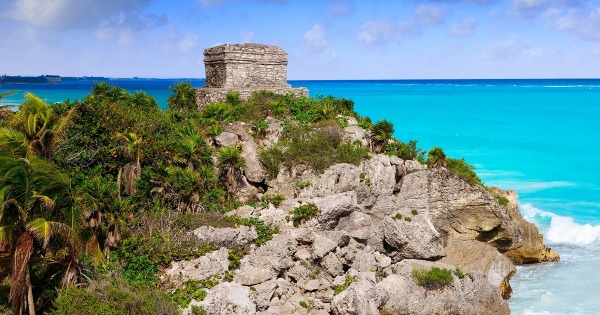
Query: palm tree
{"x": 192, "y": 149}
{"x": 436, "y": 157}
{"x": 382, "y": 132}
{"x": 37, "y": 218}
{"x": 40, "y": 125}
{"x": 132, "y": 150}
{"x": 183, "y": 97}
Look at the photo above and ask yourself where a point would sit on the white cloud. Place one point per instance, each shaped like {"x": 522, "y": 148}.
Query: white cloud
{"x": 583, "y": 21}
{"x": 510, "y": 48}
{"x": 315, "y": 38}
{"x": 377, "y": 32}
{"x": 316, "y": 44}
{"x": 65, "y": 14}
{"x": 464, "y": 27}
{"x": 430, "y": 14}
{"x": 529, "y": 8}
{"x": 187, "y": 42}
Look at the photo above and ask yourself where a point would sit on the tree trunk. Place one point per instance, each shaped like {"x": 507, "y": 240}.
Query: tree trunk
{"x": 119, "y": 182}
{"x": 30, "y": 303}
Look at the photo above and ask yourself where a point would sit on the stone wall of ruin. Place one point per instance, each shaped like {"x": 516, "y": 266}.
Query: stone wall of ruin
{"x": 212, "y": 95}
{"x": 245, "y": 66}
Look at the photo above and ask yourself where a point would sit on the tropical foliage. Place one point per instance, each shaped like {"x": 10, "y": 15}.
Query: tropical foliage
{"x": 102, "y": 192}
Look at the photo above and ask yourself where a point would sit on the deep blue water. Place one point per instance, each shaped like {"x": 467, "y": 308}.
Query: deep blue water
{"x": 539, "y": 137}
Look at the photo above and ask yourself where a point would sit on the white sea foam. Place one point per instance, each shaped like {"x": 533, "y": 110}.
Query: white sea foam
{"x": 563, "y": 229}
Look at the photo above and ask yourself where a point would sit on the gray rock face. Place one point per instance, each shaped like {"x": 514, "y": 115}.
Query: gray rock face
{"x": 231, "y": 237}
{"x": 267, "y": 261}
{"x": 227, "y": 298}
{"x": 378, "y": 222}
{"x": 470, "y": 295}
{"x": 416, "y": 239}
{"x": 363, "y": 297}
{"x": 199, "y": 268}
{"x": 478, "y": 257}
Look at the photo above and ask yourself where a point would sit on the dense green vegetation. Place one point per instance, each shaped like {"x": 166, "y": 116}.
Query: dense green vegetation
{"x": 433, "y": 278}
{"x": 102, "y": 192}
{"x": 303, "y": 213}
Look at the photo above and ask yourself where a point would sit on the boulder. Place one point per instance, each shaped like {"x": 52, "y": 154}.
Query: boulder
{"x": 470, "y": 295}
{"x": 231, "y": 237}
{"x": 226, "y": 139}
{"x": 226, "y": 298}
{"x": 533, "y": 249}
{"x": 267, "y": 261}
{"x": 362, "y": 297}
{"x": 401, "y": 239}
{"x": 476, "y": 257}
{"x": 199, "y": 268}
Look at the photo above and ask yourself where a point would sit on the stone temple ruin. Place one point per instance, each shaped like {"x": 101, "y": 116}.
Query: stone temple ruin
{"x": 245, "y": 68}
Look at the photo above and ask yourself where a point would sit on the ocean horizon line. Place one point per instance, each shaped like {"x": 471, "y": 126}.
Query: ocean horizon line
{"x": 325, "y": 80}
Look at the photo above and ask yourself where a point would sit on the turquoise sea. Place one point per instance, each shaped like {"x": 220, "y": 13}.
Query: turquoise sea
{"x": 538, "y": 137}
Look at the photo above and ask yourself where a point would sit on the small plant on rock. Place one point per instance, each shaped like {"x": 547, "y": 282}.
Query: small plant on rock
{"x": 415, "y": 212}
{"x": 276, "y": 200}
{"x": 303, "y": 213}
{"x": 434, "y": 278}
{"x": 304, "y": 304}
{"x": 338, "y": 289}
{"x": 407, "y": 219}
{"x": 302, "y": 185}
{"x": 457, "y": 272}
{"x": 397, "y": 216}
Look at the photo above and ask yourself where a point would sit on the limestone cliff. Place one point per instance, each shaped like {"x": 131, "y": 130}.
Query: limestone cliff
{"x": 378, "y": 222}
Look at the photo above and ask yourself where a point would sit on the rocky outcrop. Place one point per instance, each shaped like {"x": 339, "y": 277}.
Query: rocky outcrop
{"x": 377, "y": 222}
{"x": 470, "y": 295}
{"x": 200, "y": 268}
{"x": 231, "y": 237}
{"x": 533, "y": 249}
{"x": 477, "y": 257}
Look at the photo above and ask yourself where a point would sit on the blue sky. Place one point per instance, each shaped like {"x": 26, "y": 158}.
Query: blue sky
{"x": 327, "y": 39}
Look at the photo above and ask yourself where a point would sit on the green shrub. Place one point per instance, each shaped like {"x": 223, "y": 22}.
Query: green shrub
{"x": 192, "y": 221}
{"x": 140, "y": 268}
{"x": 407, "y": 219}
{"x": 234, "y": 256}
{"x": 191, "y": 290}
{"x": 233, "y": 98}
{"x": 198, "y": 310}
{"x": 457, "y": 272}
{"x": 382, "y": 131}
{"x": 338, "y": 289}
{"x": 318, "y": 147}
{"x": 434, "y": 278}
{"x": 231, "y": 157}
{"x": 397, "y": 216}
{"x": 276, "y": 200}
{"x": 304, "y": 304}
{"x": 436, "y": 157}
{"x": 502, "y": 200}
{"x": 303, "y": 213}
{"x": 464, "y": 170}
{"x": 118, "y": 298}
{"x": 406, "y": 151}
{"x": 414, "y": 212}
{"x": 259, "y": 128}
{"x": 264, "y": 231}
{"x": 183, "y": 97}
{"x": 302, "y": 185}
